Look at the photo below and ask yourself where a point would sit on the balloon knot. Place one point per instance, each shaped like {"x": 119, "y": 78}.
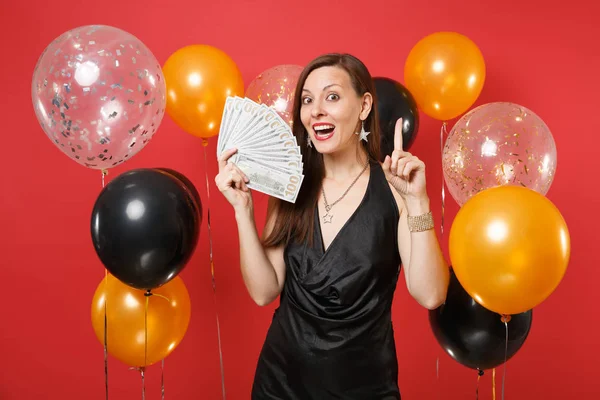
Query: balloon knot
{"x": 148, "y": 293}
{"x": 480, "y": 372}
{"x": 505, "y": 318}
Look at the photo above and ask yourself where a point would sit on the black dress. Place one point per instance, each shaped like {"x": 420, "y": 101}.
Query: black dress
{"x": 331, "y": 336}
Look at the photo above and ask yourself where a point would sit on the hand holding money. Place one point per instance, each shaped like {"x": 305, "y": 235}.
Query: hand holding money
{"x": 231, "y": 181}
{"x": 262, "y": 150}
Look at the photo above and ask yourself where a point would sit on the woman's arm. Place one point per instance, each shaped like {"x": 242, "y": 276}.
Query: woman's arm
{"x": 425, "y": 269}
{"x": 263, "y": 270}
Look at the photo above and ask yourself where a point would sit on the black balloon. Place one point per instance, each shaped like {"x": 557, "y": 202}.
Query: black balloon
{"x": 145, "y": 226}
{"x": 473, "y": 335}
{"x": 395, "y": 101}
{"x": 187, "y": 183}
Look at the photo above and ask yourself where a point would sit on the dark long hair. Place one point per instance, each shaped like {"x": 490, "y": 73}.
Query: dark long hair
{"x": 296, "y": 220}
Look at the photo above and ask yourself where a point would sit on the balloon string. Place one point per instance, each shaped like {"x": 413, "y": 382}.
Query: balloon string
{"x": 142, "y": 373}
{"x": 437, "y": 374}
{"x": 443, "y": 134}
{"x": 494, "y": 384}
{"x": 443, "y": 196}
{"x": 143, "y": 368}
{"x": 161, "y": 296}
{"x": 104, "y": 173}
{"x": 479, "y": 375}
{"x": 162, "y": 379}
{"x": 105, "y": 334}
{"x": 147, "y": 295}
{"x": 505, "y": 355}
{"x": 212, "y": 270}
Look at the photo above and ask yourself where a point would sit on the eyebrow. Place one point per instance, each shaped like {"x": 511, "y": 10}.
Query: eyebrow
{"x": 325, "y": 88}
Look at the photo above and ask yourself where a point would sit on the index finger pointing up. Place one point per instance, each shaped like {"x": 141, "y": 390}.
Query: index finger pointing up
{"x": 398, "y": 135}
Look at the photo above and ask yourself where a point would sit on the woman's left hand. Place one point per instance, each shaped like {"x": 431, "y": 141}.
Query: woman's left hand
{"x": 405, "y": 172}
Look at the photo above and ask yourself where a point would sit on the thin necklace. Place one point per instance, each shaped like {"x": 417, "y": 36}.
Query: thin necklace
{"x": 328, "y": 216}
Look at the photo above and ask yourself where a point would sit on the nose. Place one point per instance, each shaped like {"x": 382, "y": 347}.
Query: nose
{"x": 317, "y": 109}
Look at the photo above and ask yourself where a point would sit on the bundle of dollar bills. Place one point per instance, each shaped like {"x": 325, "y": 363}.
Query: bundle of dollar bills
{"x": 267, "y": 151}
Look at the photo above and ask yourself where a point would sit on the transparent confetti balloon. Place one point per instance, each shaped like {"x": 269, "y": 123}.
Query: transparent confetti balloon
{"x": 99, "y": 95}
{"x": 498, "y": 144}
{"x": 275, "y": 88}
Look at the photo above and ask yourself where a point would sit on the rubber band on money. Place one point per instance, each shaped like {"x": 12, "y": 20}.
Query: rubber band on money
{"x": 212, "y": 269}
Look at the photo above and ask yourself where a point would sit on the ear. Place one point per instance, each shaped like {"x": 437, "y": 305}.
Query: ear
{"x": 367, "y": 103}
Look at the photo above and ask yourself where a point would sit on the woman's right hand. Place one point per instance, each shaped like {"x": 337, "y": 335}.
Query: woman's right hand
{"x": 231, "y": 181}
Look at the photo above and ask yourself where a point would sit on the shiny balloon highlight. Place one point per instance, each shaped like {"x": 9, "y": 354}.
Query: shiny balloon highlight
{"x": 473, "y": 335}
{"x": 445, "y": 72}
{"x": 145, "y": 226}
{"x": 510, "y": 248}
{"x": 199, "y": 79}
{"x": 99, "y": 95}
{"x": 275, "y": 88}
{"x": 498, "y": 144}
{"x": 140, "y": 335}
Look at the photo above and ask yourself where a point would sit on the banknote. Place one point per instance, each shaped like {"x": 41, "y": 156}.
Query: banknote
{"x": 267, "y": 150}
{"x": 269, "y": 179}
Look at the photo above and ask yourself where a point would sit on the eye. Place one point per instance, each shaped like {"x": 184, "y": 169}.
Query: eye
{"x": 333, "y": 97}
{"x": 306, "y": 100}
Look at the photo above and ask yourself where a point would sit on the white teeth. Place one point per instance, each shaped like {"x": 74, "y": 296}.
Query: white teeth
{"x": 323, "y": 127}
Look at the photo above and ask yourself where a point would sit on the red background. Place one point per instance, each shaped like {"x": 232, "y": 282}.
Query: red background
{"x": 540, "y": 55}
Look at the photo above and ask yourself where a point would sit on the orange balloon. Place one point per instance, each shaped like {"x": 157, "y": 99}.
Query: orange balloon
{"x": 509, "y": 247}
{"x": 199, "y": 79}
{"x": 445, "y": 72}
{"x": 167, "y": 320}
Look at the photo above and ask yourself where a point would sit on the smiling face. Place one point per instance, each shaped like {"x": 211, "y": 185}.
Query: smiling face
{"x": 331, "y": 109}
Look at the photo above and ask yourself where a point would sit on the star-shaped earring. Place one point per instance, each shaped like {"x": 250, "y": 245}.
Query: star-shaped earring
{"x": 363, "y": 134}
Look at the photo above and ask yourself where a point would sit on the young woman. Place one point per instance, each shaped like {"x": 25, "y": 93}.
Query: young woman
{"x": 334, "y": 256}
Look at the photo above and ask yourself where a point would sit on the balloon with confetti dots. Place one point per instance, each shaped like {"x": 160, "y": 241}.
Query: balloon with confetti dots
{"x": 99, "y": 95}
